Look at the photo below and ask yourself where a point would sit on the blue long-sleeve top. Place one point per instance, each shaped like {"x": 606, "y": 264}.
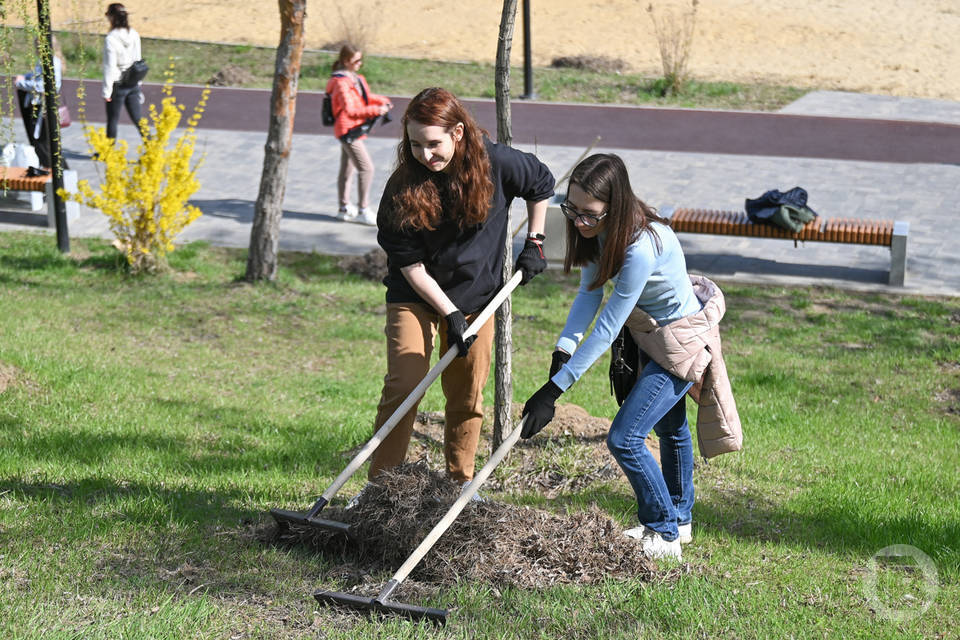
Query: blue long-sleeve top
{"x": 655, "y": 281}
{"x": 33, "y": 82}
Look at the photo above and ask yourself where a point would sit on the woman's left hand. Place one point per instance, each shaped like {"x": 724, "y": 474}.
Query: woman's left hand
{"x": 531, "y": 260}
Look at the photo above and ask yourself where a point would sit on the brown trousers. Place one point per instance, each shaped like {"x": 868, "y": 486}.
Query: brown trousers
{"x": 411, "y": 329}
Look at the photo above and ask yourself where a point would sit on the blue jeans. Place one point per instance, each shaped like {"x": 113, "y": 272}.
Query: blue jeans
{"x": 664, "y": 498}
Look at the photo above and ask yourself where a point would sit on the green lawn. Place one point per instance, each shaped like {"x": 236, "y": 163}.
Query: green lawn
{"x": 148, "y": 424}
{"x": 196, "y": 63}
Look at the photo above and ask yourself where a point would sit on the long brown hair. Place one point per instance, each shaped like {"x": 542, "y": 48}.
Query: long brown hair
{"x": 604, "y": 176}
{"x": 347, "y": 52}
{"x": 118, "y": 16}
{"x": 464, "y": 188}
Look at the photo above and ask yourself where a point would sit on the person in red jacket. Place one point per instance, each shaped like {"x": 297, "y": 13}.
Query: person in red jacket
{"x": 355, "y": 108}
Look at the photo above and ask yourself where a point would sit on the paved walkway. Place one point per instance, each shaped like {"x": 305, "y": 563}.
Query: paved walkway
{"x": 923, "y": 193}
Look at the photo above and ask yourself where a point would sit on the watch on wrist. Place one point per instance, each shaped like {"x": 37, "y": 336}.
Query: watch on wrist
{"x": 536, "y": 237}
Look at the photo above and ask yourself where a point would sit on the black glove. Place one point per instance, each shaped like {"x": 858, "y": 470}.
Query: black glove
{"x": 560, "y": 358}
{"x": 539, "y": 409}
{"x": 531, "y": 260}
{"x": 456, "y": 327}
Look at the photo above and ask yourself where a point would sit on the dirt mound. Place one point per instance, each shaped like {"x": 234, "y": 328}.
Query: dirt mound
{"x": 7, "y": 376}
{"x": 500, "y": 544}
{"x": 371, "y": 265}
{"x": 230, "y": 76}
{"x": 601, "y": 64}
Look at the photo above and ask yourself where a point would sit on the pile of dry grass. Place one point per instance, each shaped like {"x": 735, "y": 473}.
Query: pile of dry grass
{"x": 500, "y": 544}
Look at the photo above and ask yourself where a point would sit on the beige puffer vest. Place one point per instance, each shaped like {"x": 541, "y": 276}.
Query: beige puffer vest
{"x": 689, "y": 348}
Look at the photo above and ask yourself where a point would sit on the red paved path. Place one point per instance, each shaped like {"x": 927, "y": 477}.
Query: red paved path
{"x": 689, "y": 130}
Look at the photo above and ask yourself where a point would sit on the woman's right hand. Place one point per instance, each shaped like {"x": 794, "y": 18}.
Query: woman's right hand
{"x": 539, "y": 409}
{"x": 456, "y": 327}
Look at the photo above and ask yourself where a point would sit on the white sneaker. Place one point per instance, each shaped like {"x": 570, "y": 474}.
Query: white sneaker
{"x": 367, "y": 216}
{"x": 653, "y": 544}
{"x": 355, "y": 500}
{"x": 347, "y": 213}
{"x": 475, "y": 497}
{"x": 686, "y": 533}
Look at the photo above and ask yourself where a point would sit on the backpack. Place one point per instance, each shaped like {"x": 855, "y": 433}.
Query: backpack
{"x": 327, "y": 117}
{"x": 326, "y": 112}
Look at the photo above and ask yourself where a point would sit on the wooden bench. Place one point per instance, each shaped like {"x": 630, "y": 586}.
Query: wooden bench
{"x": 886, "y": 233}
{"x": 842, "y": 230}
{"x": 16, "y": 179}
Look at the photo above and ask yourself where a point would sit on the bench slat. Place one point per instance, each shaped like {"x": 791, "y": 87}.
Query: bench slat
{"x": 841, "y": 230}
{"x": 15, "y": 179}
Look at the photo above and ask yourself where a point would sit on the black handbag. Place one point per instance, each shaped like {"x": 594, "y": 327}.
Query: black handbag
{"x": 364, "y": 128}
{"x": 624, "y": 365}
{"x": 133, "y": 74}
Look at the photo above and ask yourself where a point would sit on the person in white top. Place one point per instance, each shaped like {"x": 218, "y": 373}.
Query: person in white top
{"x": 121, "y": 48}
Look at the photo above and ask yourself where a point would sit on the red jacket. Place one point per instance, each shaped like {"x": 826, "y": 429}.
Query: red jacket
{"x": 349, "y": 109}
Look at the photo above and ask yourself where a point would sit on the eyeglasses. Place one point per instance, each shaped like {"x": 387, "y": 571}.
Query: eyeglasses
{"x": 586, "y": 219}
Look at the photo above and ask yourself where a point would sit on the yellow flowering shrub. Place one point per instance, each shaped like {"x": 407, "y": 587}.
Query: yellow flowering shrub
{"x": 146, "y": 197}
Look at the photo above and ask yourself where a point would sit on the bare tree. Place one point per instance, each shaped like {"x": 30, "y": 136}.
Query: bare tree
{"x": 268, "y": 210}
{"x": 504, "y": 342}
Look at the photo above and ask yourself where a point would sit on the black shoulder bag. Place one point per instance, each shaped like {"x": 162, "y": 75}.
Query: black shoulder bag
{"x": 624, "y": 365}
{"x": 134, "y": 74}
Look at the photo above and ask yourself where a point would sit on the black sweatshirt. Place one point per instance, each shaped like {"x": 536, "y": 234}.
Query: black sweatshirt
{"x": 466, "y": 263}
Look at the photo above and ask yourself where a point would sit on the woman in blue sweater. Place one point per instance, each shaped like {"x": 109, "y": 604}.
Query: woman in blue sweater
{"x": 614, "y": 236}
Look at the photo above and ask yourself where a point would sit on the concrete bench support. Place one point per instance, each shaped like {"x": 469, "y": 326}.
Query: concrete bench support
{"x": 555, "y": 228}
{"x": 898, "y": 253}
{"x": 73, "y": 208}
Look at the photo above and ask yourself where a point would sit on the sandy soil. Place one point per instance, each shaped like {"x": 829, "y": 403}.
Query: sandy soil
{"x": 894, "y": 47}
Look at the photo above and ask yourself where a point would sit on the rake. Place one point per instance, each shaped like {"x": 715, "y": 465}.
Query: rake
{"x": 311, "y": 518}
{"x": 383, "y": 603}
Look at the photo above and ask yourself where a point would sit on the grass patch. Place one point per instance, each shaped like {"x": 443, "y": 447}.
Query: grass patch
{"x": 148, "y": 424}
{"x": 196, "y": 63}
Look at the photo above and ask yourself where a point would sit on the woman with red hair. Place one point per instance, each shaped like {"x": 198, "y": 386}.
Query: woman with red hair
{"x": 443, "y": 221}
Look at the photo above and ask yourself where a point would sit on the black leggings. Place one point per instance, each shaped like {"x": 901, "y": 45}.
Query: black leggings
{"x": 30, "y": 115}
{"x": 129, "y": 98}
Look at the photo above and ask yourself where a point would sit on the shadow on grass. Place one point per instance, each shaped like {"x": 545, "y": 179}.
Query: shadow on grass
{"x": 839, "y": 528}
{"x": 145, "y": 504}
{"x": 48, "y": 260}
{"x": 225, "y": 441}
{"x": 45, "y": 261}
{"x": 143, "y": 540}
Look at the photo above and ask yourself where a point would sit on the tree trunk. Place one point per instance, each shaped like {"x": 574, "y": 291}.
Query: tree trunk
{"x": 504, "y": 343}
{"x": 268, "y": 210}
{"x": 502, "y": 74}
{"x": 54, "y": 141}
